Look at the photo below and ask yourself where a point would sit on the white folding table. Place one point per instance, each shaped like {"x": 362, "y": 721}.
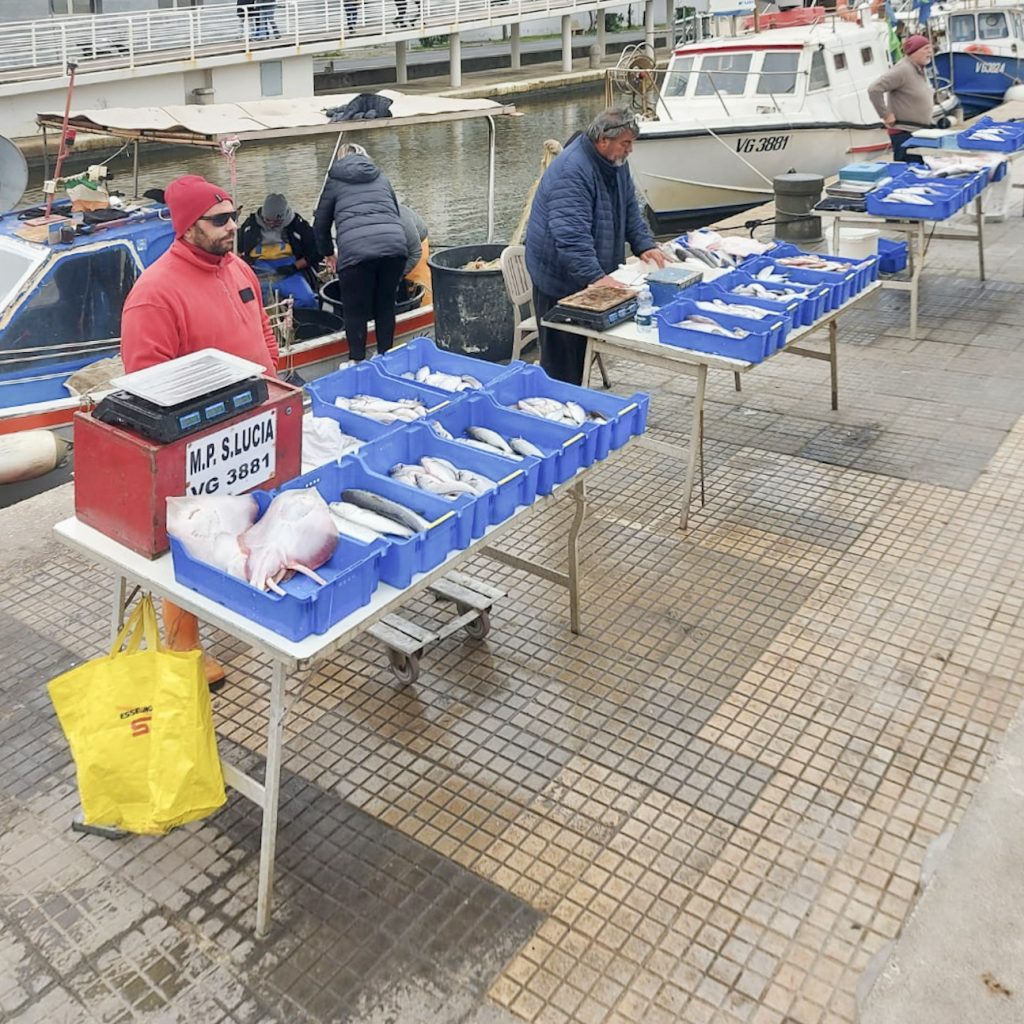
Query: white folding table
{"x": 289, "y": 657}
{"x": 627, "y": 341}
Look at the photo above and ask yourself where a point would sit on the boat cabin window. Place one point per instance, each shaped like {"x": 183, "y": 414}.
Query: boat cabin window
{"x": 992, "y": 26}
{"x": 961, "y": 28}
{"x": 678, "y": 76}
{"x": 13, "y": 267}
{"x": 819, "y": 73}
{"x": 724, "y": 73}
{"x": 839, "y": 60}
{"x": 867, "y": 55}
{"x": 80, "y": 299}
{"x": 778, "y": 74}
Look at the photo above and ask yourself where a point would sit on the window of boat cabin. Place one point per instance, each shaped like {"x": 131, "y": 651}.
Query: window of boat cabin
{"x": 13, "y": 268}
{"x": 867, "y": 55}
{"x": 819, "y": 73}
{"x": 725, "y": 73}
{"x": 961, "y": 28}
{"x": 778, "y": 74}
{"x": 839, "y": 61}
{"x": 80, "y": 299}
{"x": 993, "y": 26}
{"x": 678, "y": 76}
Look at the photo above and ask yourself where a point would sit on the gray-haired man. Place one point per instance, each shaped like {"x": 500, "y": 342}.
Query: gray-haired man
{"x": 584, "y": 213}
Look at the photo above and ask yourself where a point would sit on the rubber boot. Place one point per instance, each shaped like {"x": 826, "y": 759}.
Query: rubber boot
{"x": 181, "y": 633}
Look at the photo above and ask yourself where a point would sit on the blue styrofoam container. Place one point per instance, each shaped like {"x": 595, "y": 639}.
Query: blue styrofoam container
{"x": 839, "y": 287}
{"x": 892, "y": 256}
{"x": 562, "y": 445}
{"x": 418, "y": 439}
{"x": 451, "y": 528}
{"x": 789, "y": 311}
{"x": 865, "y": 171}
{"x": 366, "y": 379}
{"x": 757, "y": 345}
{"x": 624, "y": 417}
{"x": 352, "y": 574}
{"x": 812, "y": 304}
{"x": 419, "y": 352}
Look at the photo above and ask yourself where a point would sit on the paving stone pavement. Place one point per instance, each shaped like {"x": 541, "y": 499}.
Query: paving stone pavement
{"x": 712, "y": 806}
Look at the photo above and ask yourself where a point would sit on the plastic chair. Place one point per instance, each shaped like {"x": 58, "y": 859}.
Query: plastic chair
{"x": 520, "y": 292}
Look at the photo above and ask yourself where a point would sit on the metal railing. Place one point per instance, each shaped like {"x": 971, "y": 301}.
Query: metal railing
{"x": 112, "y": 42}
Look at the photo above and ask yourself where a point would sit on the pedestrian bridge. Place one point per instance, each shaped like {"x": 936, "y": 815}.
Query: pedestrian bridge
{"x": 160, "y": 41}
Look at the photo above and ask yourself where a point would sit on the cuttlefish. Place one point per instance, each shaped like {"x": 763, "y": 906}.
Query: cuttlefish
{"x": 295, "y": 534}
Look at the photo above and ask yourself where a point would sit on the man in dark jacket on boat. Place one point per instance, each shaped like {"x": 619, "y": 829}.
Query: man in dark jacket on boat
{"x": 584, "y": 213}
{"x": 279, "y": 245}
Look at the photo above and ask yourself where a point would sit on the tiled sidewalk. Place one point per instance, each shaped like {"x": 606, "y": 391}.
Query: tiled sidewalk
{"x": 713, "y": 806}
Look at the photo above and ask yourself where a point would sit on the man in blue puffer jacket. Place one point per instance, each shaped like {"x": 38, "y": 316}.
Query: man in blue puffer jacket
{"x": 371, "y": 245}
{"x": 584, "y": 213}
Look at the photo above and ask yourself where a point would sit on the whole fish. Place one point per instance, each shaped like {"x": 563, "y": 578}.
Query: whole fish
{"x": 350, "y": 528}
{"x": 383, "y": 410}
{"x": 445, "y": 381}
{"x": 440, "y": 431}
{"x": 733, "y": 309}
{"x": 378, "y": 525}
{"x": 523, "y": 447}
{"x": 491, "y": 437}
{"x": 441, "y": 468}
{"x": 385, "y": 507}
{"x": 296, "y": 534}
{"x": 709, "y": 326}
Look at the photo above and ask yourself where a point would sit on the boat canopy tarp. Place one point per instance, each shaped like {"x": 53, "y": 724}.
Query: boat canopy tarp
{"x": 207, "y": 124}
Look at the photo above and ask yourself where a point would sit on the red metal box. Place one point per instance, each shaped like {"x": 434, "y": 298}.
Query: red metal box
{"x": 122, "y": 480}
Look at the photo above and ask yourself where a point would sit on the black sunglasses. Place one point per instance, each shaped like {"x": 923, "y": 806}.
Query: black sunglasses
{"x": 218, "y": 220}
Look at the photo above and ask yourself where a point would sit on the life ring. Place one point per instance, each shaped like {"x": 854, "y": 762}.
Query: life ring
{"x": 978, "y": 48}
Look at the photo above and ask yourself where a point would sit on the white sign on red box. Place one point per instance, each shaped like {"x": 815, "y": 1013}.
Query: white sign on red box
{"x": 235, "y": 459}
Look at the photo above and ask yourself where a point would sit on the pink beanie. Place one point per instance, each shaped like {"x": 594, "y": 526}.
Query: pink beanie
{"x": 188, "y": 198}
{"x": 914, "y": 43}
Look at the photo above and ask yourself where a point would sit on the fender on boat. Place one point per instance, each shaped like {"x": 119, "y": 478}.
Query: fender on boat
{"x": 30, "y": 453}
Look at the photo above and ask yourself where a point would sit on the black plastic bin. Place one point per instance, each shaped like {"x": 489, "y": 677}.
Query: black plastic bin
{"x": 314, "y": 323}
{"x": 330, "y": 298}
{"x": 472, "y": 311}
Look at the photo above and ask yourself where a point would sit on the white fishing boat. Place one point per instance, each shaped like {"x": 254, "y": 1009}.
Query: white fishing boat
{"x": 734, "y": 111}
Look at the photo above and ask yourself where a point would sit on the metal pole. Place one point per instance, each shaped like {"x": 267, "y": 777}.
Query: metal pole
{"x": 566, "y": 43}
{"x": 63, "y": 151}
{"x": 491, "y": 136}
{"x": 516, "y": 60}
{"x": 455, "y": 59}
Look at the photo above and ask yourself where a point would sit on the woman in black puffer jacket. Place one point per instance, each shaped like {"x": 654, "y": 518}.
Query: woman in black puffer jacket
{"x": 371, "y": 245}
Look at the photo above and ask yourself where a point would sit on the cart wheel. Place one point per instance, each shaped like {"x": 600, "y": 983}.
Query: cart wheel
{"x": 479, "y": 627}
{"x": 404, "y": 667}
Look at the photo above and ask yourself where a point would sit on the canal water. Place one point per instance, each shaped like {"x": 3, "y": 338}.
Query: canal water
{"x": 439, "y": 170}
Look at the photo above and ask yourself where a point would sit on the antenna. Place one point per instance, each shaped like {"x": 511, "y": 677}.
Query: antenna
{"x": 13, "y": 175}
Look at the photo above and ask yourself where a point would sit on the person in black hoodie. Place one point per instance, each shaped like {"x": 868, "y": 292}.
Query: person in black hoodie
{"x": 279, "y": 245}
{"x": 371, "y": 245}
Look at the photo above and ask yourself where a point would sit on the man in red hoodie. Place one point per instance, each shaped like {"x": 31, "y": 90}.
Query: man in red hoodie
{"x": 198, "y": 295}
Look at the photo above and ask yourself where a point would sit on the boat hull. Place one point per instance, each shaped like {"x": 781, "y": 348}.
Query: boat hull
{"x": 979, "y": 80}
{"x": 695, "y": 173}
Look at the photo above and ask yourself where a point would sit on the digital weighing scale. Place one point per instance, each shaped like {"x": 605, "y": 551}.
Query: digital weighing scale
{"x": 597, "y": 307}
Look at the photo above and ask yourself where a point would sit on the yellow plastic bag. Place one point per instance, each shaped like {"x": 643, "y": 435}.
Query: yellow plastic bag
{"x": 140, "y": 728}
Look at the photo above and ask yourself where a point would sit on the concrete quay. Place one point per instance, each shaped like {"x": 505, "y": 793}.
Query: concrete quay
{"x": 714, "y": 806}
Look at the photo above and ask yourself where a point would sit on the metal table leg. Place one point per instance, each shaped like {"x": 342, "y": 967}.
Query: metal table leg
{"x": 118, "y": 606}
{"x": 588, "y": 362}
{"x": 695, "y": 443}
{"x": 981, "y": 237}
{"x": 833, "y": 361}
{"x": 916, "y": 265}
{"x": 271, "y": 798}
{"x": 579, "y": 495}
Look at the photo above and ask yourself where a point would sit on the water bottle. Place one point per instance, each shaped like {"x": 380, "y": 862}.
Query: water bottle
{"x": 644, "y": 318}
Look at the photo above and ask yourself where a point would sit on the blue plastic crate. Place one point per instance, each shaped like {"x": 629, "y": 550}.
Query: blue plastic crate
{"x": 1014, "y": 140}
{"x": 940, "y": 208}
{"x": 812, "y": 303}
{"x": 366, "y": 379}
{"x": 789, "y": 311}
{"x": 450, "y": 528}
{"x": 838, "y": 287}
{"x": 756, "y": 346}
{"x": 412, "y": 444}
{"x": 624, "y": 417}
{"x": 562, "y": 446}
{"x": 892, "y": 256}
{"x": 351, "y": 573}
{"x": 419, "y": 352}
{"x": 866, "y": 269}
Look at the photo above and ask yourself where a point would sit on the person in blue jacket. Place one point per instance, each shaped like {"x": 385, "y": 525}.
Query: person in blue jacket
{"x": 360, "y": 204}
{"x": 584, "y": 213}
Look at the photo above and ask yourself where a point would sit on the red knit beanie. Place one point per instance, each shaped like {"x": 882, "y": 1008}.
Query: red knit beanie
{"x": 914, "y": 43}
{"x": 188, "y": 198}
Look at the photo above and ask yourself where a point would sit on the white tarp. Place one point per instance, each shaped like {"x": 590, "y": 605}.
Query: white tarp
{"x": 282, "y": 115}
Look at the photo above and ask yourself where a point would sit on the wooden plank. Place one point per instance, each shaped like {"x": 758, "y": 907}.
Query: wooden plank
{"x": 462, "y": 595}
{"x": 409, "y": 628}
{"x": 479, "y": 586}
